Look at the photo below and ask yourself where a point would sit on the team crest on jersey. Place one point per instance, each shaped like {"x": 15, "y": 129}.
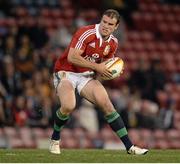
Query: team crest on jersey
{"x": 106, "y": 50}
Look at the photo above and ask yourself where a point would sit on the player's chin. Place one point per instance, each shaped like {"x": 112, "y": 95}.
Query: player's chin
{"x": 105, "y": 34}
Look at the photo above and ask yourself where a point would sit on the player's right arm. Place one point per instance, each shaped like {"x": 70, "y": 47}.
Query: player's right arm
{"x": 74, "y": 57}
{"x": 77, "y": 47}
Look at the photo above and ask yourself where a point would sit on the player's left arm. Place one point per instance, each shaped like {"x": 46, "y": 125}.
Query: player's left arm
{"x": 112, "y": 53}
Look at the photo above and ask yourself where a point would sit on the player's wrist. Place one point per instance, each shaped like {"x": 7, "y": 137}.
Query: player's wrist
{"x": 94, "y": 66}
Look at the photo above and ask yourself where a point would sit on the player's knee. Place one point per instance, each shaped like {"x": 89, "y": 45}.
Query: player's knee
{"x": 68, "y": 108}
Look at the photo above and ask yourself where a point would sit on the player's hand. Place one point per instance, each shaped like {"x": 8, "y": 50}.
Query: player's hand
{"x": 103, "y": 71}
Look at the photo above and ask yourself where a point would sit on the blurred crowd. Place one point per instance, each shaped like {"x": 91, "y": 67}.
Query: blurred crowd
{"x": 31, "y": 39}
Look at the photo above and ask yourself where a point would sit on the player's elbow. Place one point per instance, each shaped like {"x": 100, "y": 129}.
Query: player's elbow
{"x": 74, "y": 56}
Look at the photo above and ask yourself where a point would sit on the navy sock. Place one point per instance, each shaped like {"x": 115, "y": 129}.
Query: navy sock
{"x": 55, "y": 135}
{"x": 59, "y": 122}
{"x": 117, "y": 124}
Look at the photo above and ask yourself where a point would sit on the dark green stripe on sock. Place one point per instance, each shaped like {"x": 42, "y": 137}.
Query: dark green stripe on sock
{"x": 57, "y": 128}
{"x": 117, "y": 124}
{"x": 61, "y": 116}
{"x": 60, "y": 121}
{"x": 113, "y": 116}
{"x": 122, "y": 132}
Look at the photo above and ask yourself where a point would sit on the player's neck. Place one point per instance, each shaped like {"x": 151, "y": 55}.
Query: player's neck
{"x": 105, "y": 38}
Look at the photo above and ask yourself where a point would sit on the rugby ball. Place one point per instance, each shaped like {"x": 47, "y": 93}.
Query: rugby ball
{"x": 115, "y": 65}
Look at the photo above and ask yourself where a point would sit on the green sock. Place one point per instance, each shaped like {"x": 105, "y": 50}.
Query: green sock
{"x": 116, "y": 123}
{"x": 60, "y": 121}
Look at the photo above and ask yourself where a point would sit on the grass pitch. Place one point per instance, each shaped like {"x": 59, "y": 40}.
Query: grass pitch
{"x": 86, "y": 156}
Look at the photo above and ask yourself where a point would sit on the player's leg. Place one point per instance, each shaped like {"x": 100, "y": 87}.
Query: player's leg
{"x": 96, "y": 93}
{"x": 66, "y": 94}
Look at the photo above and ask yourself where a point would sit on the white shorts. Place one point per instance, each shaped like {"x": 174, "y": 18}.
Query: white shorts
{"x": 78, "y": 80}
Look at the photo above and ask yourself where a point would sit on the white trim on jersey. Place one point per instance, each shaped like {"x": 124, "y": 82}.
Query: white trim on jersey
{"x": 83, "y": 37}
{"x": 86, "y": 33}
{"x": 114, "y": 38}
{"x": 110, "y": 37}
{"x": 98, "y": 35}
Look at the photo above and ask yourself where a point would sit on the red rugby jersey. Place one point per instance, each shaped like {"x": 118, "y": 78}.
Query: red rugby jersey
{"x": 95, "y": 49}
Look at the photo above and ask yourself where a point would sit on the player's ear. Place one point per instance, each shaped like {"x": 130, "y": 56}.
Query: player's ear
{"x": 116, "y": 26}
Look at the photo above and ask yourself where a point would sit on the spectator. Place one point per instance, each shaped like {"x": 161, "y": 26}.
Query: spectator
{"x": 9, "y": 47}
{"x": 156, "y": 80}
{"x": 11, "y": 79}
{"x": 147, "y": 116}
{"x": 138, "y": 80}
{"x": 8, "y": 111}
{"x": 24, "y": 62}
{"x": 20, "y": 111}
{"x": 166, "y": 116}
{"x": 38, "y": 34}
{"x": 61, "y": 37}
{"x": 158, "y": 74}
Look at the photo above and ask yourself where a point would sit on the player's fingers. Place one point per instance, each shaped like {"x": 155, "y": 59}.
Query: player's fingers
{"x": 108, "y": 74}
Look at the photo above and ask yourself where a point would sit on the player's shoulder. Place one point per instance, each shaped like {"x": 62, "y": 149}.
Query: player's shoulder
{"x": 87, "y": 33}
{"x": 89, "y": 30}
{"x": 88, "y": 27}
{"x": 114, "y": 39}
